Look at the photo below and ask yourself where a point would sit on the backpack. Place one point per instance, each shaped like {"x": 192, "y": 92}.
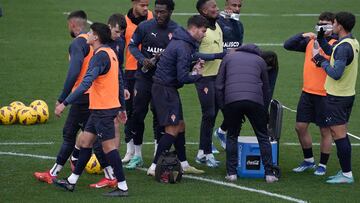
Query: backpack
{"x": 168, "y": 168}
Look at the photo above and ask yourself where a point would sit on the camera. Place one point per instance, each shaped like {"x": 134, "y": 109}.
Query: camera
{"x": 323, "y": 27}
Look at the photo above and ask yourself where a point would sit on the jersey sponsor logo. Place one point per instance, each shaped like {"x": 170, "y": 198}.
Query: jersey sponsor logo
{"x": 154, "y": 50}
{"x": 153, "y": 34}
{"x": 231, "y": 44}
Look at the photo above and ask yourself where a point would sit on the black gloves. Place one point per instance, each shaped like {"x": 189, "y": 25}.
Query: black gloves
{"x": 318, "y": 59}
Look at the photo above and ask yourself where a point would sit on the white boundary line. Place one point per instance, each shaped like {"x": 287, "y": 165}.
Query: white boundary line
{"x": 26, "y": 143}
{"x": 186, "y": 176}
{"x": 232, "y": 185}
{"x": 147, "y": 143}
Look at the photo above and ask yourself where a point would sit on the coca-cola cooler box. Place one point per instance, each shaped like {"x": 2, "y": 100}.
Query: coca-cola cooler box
{"x": 250, "y": 164}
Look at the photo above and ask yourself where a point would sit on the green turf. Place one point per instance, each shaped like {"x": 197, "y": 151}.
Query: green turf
{"x": 33, "y": 64}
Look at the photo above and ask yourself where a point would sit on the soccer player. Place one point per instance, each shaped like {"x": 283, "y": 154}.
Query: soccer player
{"x": 212, "y": 43}
{"x": 153, "y": 36}
{"x": 171, "y": 74}
{"x": 102, "y": 81}
{"x": 233, "y": 33}
{"x": 340, "y": 85}
{"x": 117, "y": 25}
{"x": 242, "y": 89}
{"x": 79, "y": 54}
{"x": 137, "y": 14}
{"x": 311, "y": 102}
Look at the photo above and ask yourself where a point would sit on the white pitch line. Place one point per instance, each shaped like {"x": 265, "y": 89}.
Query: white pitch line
{"x": 26, "y": 143}
{"x": 27, "y": 155}
{"x": 315, "y": 144}
{"x": 186, "y": 176}
{"x": 232, "y": 185}
{"x": 263, "y": 14}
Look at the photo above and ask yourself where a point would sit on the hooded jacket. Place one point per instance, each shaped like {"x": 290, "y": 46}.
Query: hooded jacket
{"x": 175, "y": 64}
{"x": 243, "y": 76}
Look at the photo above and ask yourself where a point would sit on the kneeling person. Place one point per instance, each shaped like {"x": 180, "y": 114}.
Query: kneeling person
{"x": 102, "y": 79}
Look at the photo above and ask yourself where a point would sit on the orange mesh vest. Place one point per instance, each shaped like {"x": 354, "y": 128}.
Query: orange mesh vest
{"x": 104, "y": 92}
{"x": 314, "y": 77}
{"x": 130, "y": 61}
{"x": 84, "y": 65}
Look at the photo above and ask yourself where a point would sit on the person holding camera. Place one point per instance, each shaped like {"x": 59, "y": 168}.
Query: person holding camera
{"x": 311, "y": 102}
{"x": 340, "y": 85}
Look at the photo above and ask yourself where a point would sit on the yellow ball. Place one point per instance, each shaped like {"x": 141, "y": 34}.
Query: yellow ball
{"x": 17, "y": 105}
{"x": 7, "y": 115}
{"x": 38, "y": 103}
{"x": 27, "y": 116}
{"x": 93, "y": 166}
{"x": 43, "y": 113}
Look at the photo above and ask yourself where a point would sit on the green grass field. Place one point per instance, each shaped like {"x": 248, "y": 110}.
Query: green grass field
{"x": 33, "y": 64}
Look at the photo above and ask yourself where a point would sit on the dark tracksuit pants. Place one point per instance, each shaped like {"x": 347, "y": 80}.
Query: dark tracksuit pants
{"x": 76, "y": 120}
{"x": 206, "y": 92}
{"x": 130, "y": 81}
{"x": 142, "y": 99}
{"x": 233, "y": 117}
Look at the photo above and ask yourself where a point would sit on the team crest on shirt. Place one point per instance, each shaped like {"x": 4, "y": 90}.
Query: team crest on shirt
{"x": 170, "y": 36}
{"x": 135, "y": 92}
{"x": 206, "y": 90}
{"x": 117, "y": 48}
{"x": 173, "y": 117}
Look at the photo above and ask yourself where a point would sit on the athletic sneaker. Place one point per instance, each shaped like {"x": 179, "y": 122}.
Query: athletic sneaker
{"x": 231, "y": 178}
{"x": 305, "y": 165}
{"x": 44, "y": 177}
{"x": 117, "y": 193}
{"x": 271, "y": 179}
{"x": 64, "y": 183}
{"x": 338, "y": 173}
{"x": 201, "y": 160}
{"x": 192, "y": 170}
{"x": 320, "y": 171}
{"x": 72, "y": 164}
{"x": 150, "y": 172}
{"x": 128, "y": 156}
{"x": 104, "y": 182}
{"x": 221, "y": 137}
{"x": 136, "y": 161}
{"x": 212, "y": 162}
{"x": 340, "y": 178}
{"x": 214, "y": 150}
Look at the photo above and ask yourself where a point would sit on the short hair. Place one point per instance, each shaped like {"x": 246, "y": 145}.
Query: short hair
{"x": 328, "y": 16}
{"x": 102, "y": 31}
{"x": 200, "y": 4}
{"x": 117, "y": 19}
{"x": 77, "y": 14}
{"x": 346, "y": 19}
{"x": 197, "y": 21}
{"x": 170, "y": 5}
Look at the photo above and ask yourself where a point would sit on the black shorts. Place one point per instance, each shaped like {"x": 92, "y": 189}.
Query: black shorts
{"x": 167, "y": 104}
{"x": 310, "y": 109}
{"x": 338, "y": 109}
{"x": 101, "y": 123}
